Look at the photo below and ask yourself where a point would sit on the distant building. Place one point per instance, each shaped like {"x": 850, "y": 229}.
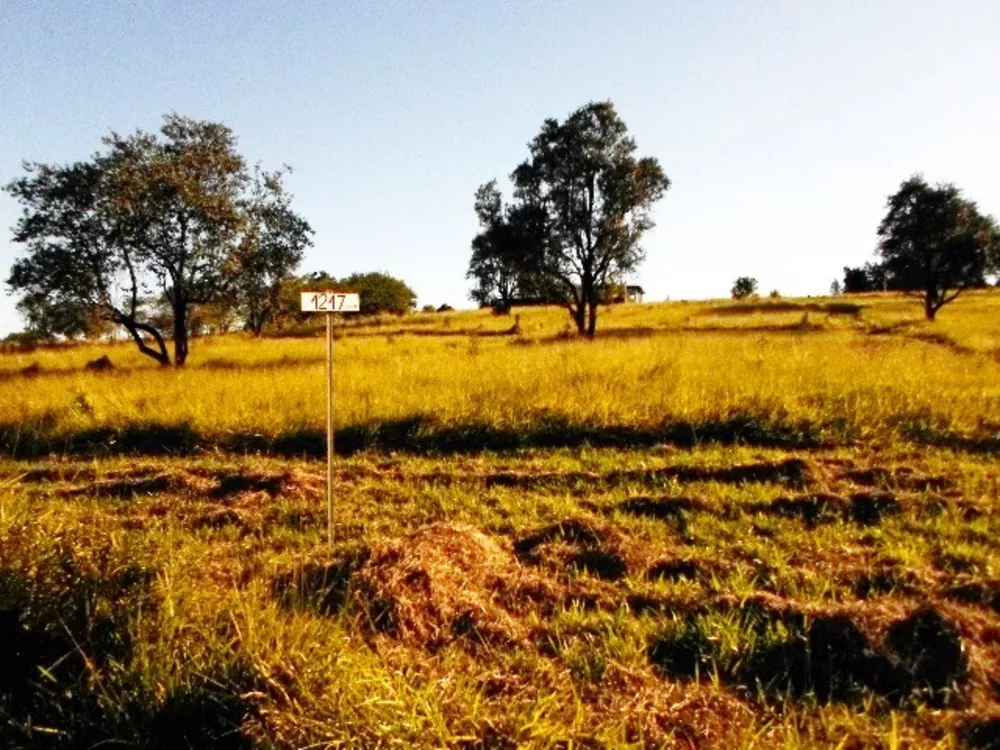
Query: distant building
{"x": 634, "y": 293}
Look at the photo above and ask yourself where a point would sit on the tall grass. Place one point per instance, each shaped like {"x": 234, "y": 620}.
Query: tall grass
{"x": 810, "y": 376}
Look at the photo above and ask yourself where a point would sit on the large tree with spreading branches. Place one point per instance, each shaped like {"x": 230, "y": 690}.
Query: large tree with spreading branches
{"x": 168, "y": 214}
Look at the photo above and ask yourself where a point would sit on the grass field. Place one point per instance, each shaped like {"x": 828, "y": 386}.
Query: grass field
{"x": 767, "y": 524}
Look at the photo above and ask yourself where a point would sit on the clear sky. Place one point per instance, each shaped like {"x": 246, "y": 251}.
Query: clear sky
{"x": 783, "y": 125}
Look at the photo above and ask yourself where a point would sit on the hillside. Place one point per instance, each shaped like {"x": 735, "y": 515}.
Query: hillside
{"x": 755, "y": 524}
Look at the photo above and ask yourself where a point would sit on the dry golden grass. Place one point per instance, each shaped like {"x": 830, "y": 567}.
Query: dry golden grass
{"x": 693, "y": 368}
{"x": 718, "y": 525}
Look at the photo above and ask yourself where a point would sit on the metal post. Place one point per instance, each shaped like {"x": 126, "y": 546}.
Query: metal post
{"x": 329, "y": 428}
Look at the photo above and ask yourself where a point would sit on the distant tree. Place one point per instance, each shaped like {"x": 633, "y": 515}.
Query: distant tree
{"x": 271, "y": 246}
{"x": 214, "y": 318}
{"x": 493, "y": 265}
{"x": 506, "y": 253}
{"x": 155, "y": 215}
{"x": 378, "y": 291}
{"x": 744, "y": 287}
{"x": 582, "y": 203}
{"x": 868, "y": 278}
{"x": 428, "y": 309}
{"x": 835, "y": 288}
{"x": 775, "y": 294}
{"x": 855, "y": 280}
{"x": 935, "y": 244}
{"x": 381, "y": 293}
{"x": 47, "y": 320}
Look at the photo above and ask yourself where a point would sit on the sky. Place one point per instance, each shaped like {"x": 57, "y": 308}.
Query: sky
{"x": 782, "y": 125}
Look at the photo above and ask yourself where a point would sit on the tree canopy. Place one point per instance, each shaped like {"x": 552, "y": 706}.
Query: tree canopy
{"x": 582, "y": 202}
{"x": 378, "y": 292}
{"x": 743, "y": 287}
{"x": 152, "y": 215}
{"x": 270, "y": 249}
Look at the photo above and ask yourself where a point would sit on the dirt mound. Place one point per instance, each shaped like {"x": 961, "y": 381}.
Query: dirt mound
{"x": 833, "y": 659}
{"x": 441, "y": 583}
{"x": 660, "y": 507}
{"x": 673, "y": 510}
{"x": 978, "y": 592}
{"x": 237, "y": 483}
{"x": 930, "y": 649}
{"x": 869, "y": 509}
{"x": 583, "y": 544}
{"x": 101, "y": 364}
{"x": 832, "y": 656}
{"x": 811, "y": 509}
{"x": 675, "y": 569}
{"x": 865, "y": 509}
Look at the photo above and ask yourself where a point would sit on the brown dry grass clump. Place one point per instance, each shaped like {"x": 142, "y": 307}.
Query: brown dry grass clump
{"x": 445, "y": 582}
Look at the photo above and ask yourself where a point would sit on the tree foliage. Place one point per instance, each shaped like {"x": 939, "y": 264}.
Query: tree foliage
{"x": 273, "y": 242}
{"x": 46, "y": 321}
{"x": 582, "y": 202}
{"x": 378, "y": 293}
{"x": 934, "y": 243}
{"x": 505, "y": 254}
{"x": 154, "y": 215}
{"x": 744, "y": 287}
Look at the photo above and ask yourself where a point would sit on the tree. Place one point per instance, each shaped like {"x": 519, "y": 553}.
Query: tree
{"x": 935, "y": 244}
{"x": 584, "y": 200}
{"x": 273, "y": 242}
{"x": 744, "y": 287}
{"x": 504, "y": 253}
{"x": 868, "y": 278}
{"x": 152, "y": 216}
{"x": 835, "y": 288}
{"x": 378, "y": 291}
{"x": 48, "y": 321}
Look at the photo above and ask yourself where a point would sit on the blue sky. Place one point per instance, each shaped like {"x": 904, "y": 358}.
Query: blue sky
{"x": 783, "y": 125}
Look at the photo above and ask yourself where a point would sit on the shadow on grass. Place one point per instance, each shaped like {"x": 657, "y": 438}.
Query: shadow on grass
{"x": 920, "y": 432}
{"x": 428, "y": 436}
{"x": 419, "y": 434}
{"x": 626, "y": 334}
{"x": 767, "y": 306}
{"x": 919, "y": 658}
{"x": 322, "y": 587}
{"x": 66, "y": 675}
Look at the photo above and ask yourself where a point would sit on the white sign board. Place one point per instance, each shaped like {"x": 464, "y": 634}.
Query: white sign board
{"x": 331, "y": 302}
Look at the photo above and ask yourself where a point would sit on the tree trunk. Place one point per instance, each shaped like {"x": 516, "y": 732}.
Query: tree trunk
{"x": 930, "y": 309}
{"x": 592, "y": 322}
{"x": 579, "y": 314}
{"x": 180, "y": 330}
{"x": 135, "y": 331}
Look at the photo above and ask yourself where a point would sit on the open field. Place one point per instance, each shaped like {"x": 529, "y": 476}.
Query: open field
{"x": 720, "y": 524}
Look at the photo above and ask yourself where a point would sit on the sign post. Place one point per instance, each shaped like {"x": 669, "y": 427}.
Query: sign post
{"x": 330, "y": 303}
